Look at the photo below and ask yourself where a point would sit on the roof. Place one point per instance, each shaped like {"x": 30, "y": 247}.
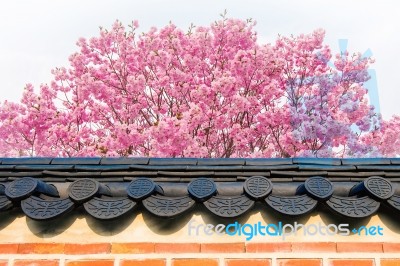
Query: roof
{"x": 107, "y": 188}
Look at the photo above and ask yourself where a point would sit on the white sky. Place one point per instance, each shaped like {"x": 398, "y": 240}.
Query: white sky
{"x": 37, "y": 36}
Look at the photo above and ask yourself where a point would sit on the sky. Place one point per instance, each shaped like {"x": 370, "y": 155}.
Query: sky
{"x": 37, "y": 36}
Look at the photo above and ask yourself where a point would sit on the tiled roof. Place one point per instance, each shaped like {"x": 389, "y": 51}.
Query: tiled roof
{"x": 46, "y": 188}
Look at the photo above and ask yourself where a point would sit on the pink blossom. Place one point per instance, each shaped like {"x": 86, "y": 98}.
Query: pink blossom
{"x": 212, "y": 92}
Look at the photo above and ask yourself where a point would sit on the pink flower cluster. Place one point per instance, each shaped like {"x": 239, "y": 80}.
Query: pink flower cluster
{"x": 209, "y": 92}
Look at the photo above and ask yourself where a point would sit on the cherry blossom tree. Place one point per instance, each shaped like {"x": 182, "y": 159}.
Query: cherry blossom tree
{"x": 207, "y": 92}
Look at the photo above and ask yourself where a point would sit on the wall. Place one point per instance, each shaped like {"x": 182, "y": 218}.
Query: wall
{"x": 142, "y": 239}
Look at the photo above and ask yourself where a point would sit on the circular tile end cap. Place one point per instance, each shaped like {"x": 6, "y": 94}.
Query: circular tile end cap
{"x": 202, "y": 189}
{"x": 319, "y": 188}
{"x": 379, "y": 187}
{"x": 21, "y": 189}
{"x": 141, "y": 188}
{"x": 83, "y": 190}
{"x": 257, "y": 187}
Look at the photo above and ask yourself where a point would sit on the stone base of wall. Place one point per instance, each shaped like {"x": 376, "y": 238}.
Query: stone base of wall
{"x": 201, "y": 254}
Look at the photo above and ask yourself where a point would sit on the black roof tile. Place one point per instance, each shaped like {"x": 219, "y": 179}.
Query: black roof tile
{"x": 173, "y": 161}
{"x": 224, "y": 179}
{"x": 95, "y": 167}
{"x": 281, "y": 179}
{"x": 321, "y": 167}
{"x": 270, "y": 167}
{"x": 378, "y": 167}
{"x": 30, "y": 160}
{"x": 123, "y": 160}
{"x": 299, "y": 179}
{"x": 165, "y": 179}
{"x": 102, "y": 179}
{"x": 355, "y": 174}
{"x": 195, "y": 173}
{"x": 7, "y": 167}
{"x": 392, "y": 174}
{"x": 366, "y": 161}
{"x": 172, "y": 167}
{"x": 357, "y": 179}
{"x": 41, "y": 167}
{"x": 221, "y": 161}
{"x": 214, "y": 168}
{"x": 247, "y": 173}
{"x": 269, "y": 161}
{"x": 229, "y": 174}
{"x": 338, "y": 179}
{"x": 395, "y": 160}
{"x": 324, "y": 161}
{"x": 300, "y": 173}
{"x": 20, "y": 174}
{"x": 154, "y": 178}
{"x": 72, "y": 174}
{"x": 129, "y": 173}
{"x": 76, "y": 160}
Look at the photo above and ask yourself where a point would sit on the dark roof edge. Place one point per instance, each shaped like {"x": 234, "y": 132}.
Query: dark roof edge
{"x": 197, "y": 161}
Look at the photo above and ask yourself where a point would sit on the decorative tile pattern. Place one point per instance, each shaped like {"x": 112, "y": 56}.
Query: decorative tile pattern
{"x": 292, "y": 205}
{"x": 353, "y": 207}
{"x": 226, "y": 206}
{"x": 141, "y": 188}
{"x": 257, "y": 187}
{"x": 202, "y": 188}
{"x": 319, "y": 188}
{"x": 167, "y": 207}
{"x": 83, "y": 190}
{"x": 379, "y": 187}
{"x": 21, "y": 188}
